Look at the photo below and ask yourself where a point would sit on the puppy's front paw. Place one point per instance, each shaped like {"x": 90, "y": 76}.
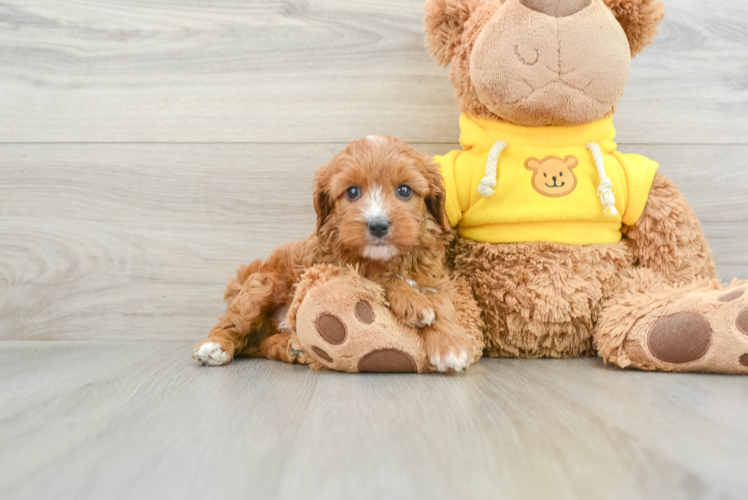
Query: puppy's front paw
{"x": 452, "y": 360}
{"x": 413, "y": 309}
{"x": 210, "y": 353}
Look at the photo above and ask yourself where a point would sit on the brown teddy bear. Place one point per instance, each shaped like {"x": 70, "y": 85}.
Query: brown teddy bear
{"x": 591, "y": 251}
{"x": 570, "y": 247}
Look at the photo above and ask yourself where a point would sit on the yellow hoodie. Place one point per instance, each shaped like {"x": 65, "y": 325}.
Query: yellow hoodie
{"x": 514, "y": 184}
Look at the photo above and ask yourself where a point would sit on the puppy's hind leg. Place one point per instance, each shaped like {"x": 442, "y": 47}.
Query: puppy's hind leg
{"x": 284, "y": 347}
{"x": 247, "y": 312}
{"x": 280, "y": 343}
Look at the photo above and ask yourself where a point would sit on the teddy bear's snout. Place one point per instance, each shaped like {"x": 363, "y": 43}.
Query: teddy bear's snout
{"x": 556, "y": 8}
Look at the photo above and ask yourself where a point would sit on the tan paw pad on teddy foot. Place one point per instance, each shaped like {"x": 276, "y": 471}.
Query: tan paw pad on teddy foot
{"x": 681, "y": 338}
{"x": 708, "y": 333}
{"x": 350, "y": 328}
{"x": 387, "y": 361}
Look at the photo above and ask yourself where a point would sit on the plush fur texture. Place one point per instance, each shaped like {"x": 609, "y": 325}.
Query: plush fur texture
{"x": 649, "y": 302}
{"x": 625, "y": 331}
{"x": 544, "y": 299}
{"x": 445, "y": 22}
{"x": 380, "y": 210}
{"x": 640, "y": 20}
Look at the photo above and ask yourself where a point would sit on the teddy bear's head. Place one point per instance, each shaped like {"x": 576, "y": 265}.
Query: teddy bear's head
{"x": 540, "y": 62}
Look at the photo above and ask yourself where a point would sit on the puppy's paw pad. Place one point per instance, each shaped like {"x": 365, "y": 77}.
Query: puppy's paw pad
{"x": 210, "y": 353}
{"x": 452, "y": 361}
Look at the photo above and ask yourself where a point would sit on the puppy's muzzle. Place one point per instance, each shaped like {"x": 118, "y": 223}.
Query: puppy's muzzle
{"x": 379, "y": 228}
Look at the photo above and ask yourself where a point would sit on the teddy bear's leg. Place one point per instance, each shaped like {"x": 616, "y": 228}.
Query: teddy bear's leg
{"x": 344, "y": 322}
{"x": 539, "y": 300}
{"x": 653, "y": 325}
{"x": 668, "y": 238}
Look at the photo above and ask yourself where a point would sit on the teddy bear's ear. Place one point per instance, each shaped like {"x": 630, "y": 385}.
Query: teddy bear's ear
{"x": 640, "y": 20}
{"x": 445, "y": 20}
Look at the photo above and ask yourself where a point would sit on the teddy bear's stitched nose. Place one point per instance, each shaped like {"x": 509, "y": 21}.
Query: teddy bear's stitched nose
{"x": 556, "y": 8}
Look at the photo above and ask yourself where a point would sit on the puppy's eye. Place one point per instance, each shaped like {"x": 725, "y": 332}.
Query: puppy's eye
{"x": 353, "y": 193}
{"x": 560, "y": 174}
{"x": 545, "y": 175}
{"x": 404, "y": 192}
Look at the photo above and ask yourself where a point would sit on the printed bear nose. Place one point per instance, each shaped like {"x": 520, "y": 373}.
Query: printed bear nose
{"x": 556, "y": 8}
{"x": 554, "y": 180}
{"x": 379, "y": 227}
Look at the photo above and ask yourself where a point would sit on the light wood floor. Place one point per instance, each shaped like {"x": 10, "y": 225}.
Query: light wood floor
{"x": 134, "y": 420}
{"x": 149, "y": 147}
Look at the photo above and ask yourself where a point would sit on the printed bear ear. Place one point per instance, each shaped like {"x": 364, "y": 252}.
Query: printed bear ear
{"x": 532, "y": 164}
{"x": 445, "y": 21}
{"x": 640, "y": 20}
{"x": 571, "y": 162}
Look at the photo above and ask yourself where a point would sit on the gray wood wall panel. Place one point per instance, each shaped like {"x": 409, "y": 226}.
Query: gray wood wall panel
{"x": 108, "y": 241}
{"x": 313, "y": 71}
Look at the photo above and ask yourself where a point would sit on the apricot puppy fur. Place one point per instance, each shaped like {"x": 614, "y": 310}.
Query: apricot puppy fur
{"x": 380, "y": 208}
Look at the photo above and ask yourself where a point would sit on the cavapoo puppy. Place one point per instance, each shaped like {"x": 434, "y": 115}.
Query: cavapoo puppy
{"x": 380, "y": 208}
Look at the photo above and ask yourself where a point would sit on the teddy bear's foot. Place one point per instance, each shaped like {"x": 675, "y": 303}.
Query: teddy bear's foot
{"x": 345, "y": 324}
{"x": 704, "y": 330}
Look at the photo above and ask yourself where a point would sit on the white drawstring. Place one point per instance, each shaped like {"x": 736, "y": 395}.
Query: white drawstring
{"x": 490, "y": 181}
{"x": 605, "y": 190}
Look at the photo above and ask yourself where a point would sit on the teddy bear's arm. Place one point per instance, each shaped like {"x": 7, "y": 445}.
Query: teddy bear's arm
{"x": 668, "y": 237}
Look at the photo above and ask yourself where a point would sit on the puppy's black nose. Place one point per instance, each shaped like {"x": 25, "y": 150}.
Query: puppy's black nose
{"x": 379, "y": 227}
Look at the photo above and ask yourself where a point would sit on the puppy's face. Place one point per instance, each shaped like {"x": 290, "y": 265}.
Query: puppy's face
{"x": 377, "y": 196}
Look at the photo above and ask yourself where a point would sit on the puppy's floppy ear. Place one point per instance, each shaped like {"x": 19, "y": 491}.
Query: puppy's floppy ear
{"x": 437, "y": 196}
{"x": 322, "y": 200}
{"x": 445, "y": 21}
{"x": 640, "y": 20}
